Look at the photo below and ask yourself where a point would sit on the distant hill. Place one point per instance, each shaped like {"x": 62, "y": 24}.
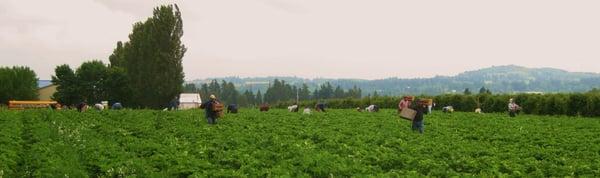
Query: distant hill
{"x": 498, "y": 79}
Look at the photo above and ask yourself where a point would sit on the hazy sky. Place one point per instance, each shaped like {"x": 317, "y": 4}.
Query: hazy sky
{"x": 316, "y": 38}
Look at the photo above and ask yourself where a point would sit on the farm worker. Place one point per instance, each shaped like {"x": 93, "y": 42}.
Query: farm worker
{"x": 174, "y": 104}
{"x": 513, "y": 108}
{"x": 117, "y": 106}
{"x": 232, "y": 108}
{"x": 99, "y": 106}
{"x": 210, "y": 113}
{"x": 417, "y": 122}
{"x": 320, "y": 107}
{"x": 264, "y": 107}
{"x": 293, "y": 108}
{"x": 81, "y": 107}
{"x": 448, "y": 109}
{"x": 404, "y": 103}
{"x": 306, "y": 110}
{"x": 372, "y": 108}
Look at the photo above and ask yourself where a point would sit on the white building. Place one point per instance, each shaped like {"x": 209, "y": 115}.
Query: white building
{"x": 189, "y": 101}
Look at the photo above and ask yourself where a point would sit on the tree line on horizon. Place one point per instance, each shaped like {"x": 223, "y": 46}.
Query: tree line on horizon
{"x": 279, "y": 91}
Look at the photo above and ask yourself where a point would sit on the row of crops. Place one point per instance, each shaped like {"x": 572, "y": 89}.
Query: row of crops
{"x": 340, "y": 143}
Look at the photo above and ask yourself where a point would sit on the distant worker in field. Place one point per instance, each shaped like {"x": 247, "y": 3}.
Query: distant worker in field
{"x": 320, "y": 107}
{"x": 232, "y": 108}
{"x": 293, "y": 108}
{"x": 448, "y": 109}
{"x": 306, "y": 110}
{"x": 513, "y": 108}
{"x": 174, "y": 104}
{"x": 263, "y": 107}
{"x": 117, "y": 106}
{"x": 372, "y": 108}
{"x": 212, "y": 109}
{"x": 404, "y": 103}
{"x": 98, "y": 106}
{"x": 82, "y": 107}
{"x": 417, "y": 122}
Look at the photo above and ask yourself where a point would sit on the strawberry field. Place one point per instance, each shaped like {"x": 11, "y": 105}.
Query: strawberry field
{"x": 340, "y": 143}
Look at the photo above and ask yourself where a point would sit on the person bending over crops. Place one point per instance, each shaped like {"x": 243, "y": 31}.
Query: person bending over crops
{"x": 117, "y": 106}
{"x": 417, "y": 122}
{"x": 513, "y": 108}
{"x": 81, "y": 107}
{"x": 306, "y": 111}
{"x": 372, "y": 108}
{"x": 404, "y": 103}
{"x": 232, "y": 108}
{"x": 212, "y": 109}
{"x": 320, "y": 107}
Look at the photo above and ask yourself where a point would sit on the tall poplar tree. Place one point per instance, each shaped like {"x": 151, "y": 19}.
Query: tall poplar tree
{"x": 152, "y": 58}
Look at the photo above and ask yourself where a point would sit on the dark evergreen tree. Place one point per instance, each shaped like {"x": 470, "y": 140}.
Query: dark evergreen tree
{"x": 152, "y": 58}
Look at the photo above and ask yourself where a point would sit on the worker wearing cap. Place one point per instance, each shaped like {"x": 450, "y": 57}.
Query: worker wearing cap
{"x": 417, "y": 122}
{"x": 211, "y": 116}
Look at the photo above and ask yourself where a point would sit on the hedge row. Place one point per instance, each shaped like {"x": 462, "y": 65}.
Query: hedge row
{"x": 572, "y": 104}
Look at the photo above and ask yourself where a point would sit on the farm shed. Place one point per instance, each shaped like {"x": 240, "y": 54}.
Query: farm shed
{"x": 189, "y": 100}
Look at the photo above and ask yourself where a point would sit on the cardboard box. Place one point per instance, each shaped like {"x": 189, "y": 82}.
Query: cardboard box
{"x": 408, "y": 114}
{"x": 428, "y": 102}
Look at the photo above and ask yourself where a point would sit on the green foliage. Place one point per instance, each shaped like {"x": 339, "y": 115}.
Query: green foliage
{"x": 93, "y": 82}
{"x": 339, "y": 143}
{"x": 152, "y": 58}
{"x": 576, "y": 104}
{"x": 17, "y": 83}
{"x": 67, "y": 90}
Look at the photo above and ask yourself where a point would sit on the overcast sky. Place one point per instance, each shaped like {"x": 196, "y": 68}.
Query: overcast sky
{"x": 315, "y": 38}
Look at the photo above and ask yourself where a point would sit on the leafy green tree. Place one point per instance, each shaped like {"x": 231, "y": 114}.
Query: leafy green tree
{"x": 152, "y": 58}
{"x": 17, "y": 83}
{"x": 67, "y": 88}
{"x": 92, "y": 77}
{"x": 116, "y": 86}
